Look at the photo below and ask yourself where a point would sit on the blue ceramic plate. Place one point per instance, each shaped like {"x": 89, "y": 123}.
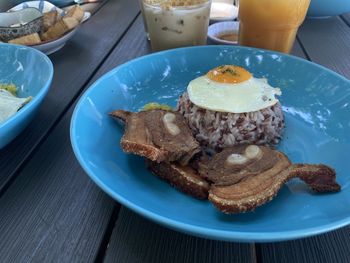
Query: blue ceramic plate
{"x": 317, "y": 110}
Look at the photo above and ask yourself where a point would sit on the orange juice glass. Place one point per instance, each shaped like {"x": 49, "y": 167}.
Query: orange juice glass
{"x": 270, "y": 24}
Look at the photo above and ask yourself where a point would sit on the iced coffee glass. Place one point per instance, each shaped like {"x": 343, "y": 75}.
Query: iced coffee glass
{"x": 270, "y": 24}
{"x": 176, "y": 23}
{"x": 143, "y": 18}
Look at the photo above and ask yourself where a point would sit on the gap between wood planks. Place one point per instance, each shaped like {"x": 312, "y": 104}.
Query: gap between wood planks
{"x": 101, "y": 253}
{"x": 346, "y": 19}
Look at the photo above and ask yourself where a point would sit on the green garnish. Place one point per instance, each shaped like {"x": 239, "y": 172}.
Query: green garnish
{"x": 231, "y": 71}
{"x": 156, "y": 106}
{"x": 225, "y": 69}
{"x": 10, "y": 88}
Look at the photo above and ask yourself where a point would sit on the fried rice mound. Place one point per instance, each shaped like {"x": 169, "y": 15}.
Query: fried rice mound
{"x": 218, "y": 130}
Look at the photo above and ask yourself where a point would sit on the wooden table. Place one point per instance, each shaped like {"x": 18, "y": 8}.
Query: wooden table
{"x": 50, "y": 211}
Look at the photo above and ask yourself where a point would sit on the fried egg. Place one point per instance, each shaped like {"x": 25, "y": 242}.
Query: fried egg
{"x": 232, "y": 89}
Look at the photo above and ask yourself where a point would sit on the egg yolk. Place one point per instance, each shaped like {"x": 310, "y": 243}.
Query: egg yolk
{"x": 229, "y": 74}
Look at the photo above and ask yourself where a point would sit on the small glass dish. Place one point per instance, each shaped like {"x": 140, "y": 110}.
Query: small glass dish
{"x": 224, "y": 33}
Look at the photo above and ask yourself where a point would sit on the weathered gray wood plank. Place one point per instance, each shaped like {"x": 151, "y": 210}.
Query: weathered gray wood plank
{"x": 136, "y": 239}
{"x": 134, "y": 44}
{"x": 53, "y": 213}
{"x": 326, "y": 42}
{"x": 333, "y": 247}
{"x": 74, "y": 66}
{"x": 297, "y": 50}
{"x": 346, "y": 17}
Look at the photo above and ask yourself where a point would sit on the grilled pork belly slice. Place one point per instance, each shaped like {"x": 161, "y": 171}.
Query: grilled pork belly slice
{"x": 246, "y": 177}
{"x": 157, "y": 135}
{"x": 233, "y": 165}
{"x": 184, "y": 178}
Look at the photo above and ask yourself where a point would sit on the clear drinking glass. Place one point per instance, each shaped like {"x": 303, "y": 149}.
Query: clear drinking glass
{"x": 270, "y": 24}
{"x": 143, "y": 18}
{"x": 176, "y": 23}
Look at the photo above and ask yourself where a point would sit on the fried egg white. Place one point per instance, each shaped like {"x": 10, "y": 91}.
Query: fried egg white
{"x": 231, "y": 89}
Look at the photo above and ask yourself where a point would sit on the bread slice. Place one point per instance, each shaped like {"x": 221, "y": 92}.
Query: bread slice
{"x": 32, "y": 39}
{"x": 184, "y": 178}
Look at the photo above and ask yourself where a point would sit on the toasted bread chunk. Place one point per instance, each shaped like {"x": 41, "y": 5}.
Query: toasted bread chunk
{"x": 70, "y": 22}
{"x": 56, "y": 31}
{"x": 76, "y": 12}
{"x": 32, "y": 39}
{"x": 49, "y": 19}
{"x": 157, "y": 135}
{"x": 184, "y": 178}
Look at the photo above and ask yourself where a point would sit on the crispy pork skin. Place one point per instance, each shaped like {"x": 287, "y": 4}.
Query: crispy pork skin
{"x": 237, "y": 179}
{"x": 245, "y": 179}
{"x": 184, "y": 178}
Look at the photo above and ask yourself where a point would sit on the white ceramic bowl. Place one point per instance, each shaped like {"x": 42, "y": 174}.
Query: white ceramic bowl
{"x": 222, "y": 28}
{"x": 54, "y": 45}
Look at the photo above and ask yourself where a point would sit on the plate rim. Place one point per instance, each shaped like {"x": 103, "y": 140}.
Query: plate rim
{"x": 215, "y": 234}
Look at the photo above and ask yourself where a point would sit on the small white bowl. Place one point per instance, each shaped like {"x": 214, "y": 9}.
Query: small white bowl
{"x": 222, "y": 28}
{"x": 223, "y": 12}
{"x": 51, "y": 46}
